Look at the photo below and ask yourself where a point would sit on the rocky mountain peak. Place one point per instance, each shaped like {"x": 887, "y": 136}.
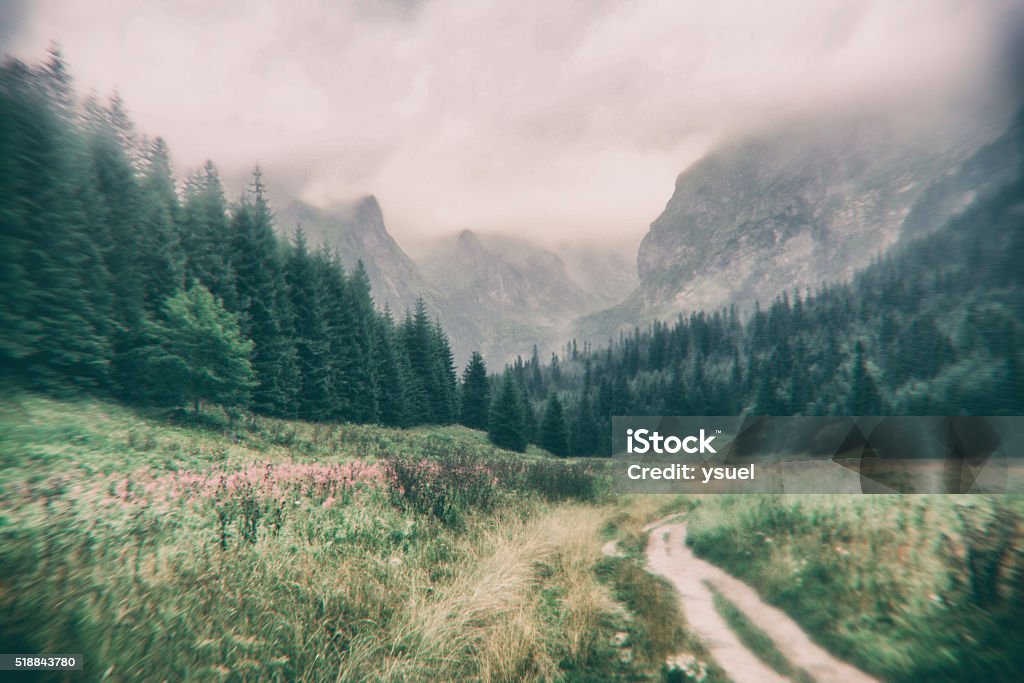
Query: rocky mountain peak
{"x": 368, "y": 216}
{"x": 468, "y": 241}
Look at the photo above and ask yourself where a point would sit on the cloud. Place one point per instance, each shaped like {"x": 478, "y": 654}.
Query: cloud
{"x": 12, "y": 18}
{"x": 553, "y": 120}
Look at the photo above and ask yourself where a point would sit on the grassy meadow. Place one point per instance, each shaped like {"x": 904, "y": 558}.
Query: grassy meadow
{"x": 233, "y": 547}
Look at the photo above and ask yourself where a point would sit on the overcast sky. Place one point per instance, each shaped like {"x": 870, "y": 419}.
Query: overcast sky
{"x": 544, "y": 118}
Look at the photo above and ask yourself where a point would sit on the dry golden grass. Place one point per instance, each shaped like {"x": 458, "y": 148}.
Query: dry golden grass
{"x": 524, "y": 601}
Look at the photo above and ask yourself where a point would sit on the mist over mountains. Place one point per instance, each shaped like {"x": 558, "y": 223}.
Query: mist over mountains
{"x": 797, "y": 206}
{"x": 496, "y": 294}
{"x": 786, "y": 209}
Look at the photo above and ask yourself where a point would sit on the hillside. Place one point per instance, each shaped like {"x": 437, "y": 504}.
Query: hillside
{"x": 798, "y": 205}
{"x": 239, "y": 546}
{"x": 930, "y": 328}
{"x": 160, "y": 545}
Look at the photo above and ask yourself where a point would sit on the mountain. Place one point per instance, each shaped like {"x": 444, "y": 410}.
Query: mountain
{"x": 500, "y": 298}
{"x": 790, "y": 208}
{"x": 358, "y": 232}
{"x": 517, "y": 293}
{"x": 608, "y": 274}
{"x": 985, "y": 172}
{"x": 510, "y": 282}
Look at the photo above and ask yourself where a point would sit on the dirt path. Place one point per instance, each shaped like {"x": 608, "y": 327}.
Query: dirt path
{"x": 668, "y": 556}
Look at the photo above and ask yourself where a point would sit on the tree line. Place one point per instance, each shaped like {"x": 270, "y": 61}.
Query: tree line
{"x": 933, "y": 327}
{"x": 115, "y": 281}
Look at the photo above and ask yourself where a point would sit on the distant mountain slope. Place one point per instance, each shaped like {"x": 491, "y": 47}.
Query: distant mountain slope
{"x": 609, "y": 274}
{"x": 779, "y": 211}
{"x": 792, "y": 208}
{"x": 358, "y": 232}
{"x": 986, "y": 171}
{"x": 517, "y": 293}
{"x": 531, "y": 284}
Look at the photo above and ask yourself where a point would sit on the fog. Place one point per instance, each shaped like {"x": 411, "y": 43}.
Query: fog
{"x": 554, "y": 121}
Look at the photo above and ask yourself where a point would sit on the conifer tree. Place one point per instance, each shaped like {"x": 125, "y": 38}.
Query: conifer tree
{"x": 430, "y": 397}
{"x": 506, "y": 428}
{"x": 198, "y": 353}
{"x": 476, "y": 393}
{"x": 554, "y": 435}
{"x": 53, "y": 326}
{"x": 864, "y": 396}
{"x": 362, "y": 386}
{"x": 392, "y": 370}
{"x": 309, "y": 331}
{"x": 530, "y": 425}
{"x": 205, "y": 234}
{"x": 161, "y": 260}
{"x": 415, "y": 351}
{"x": 262, "y": 297}
{"x": 446, "y": 402}
{"x": 120, "y": 197}
{"x": 583, "y": 439}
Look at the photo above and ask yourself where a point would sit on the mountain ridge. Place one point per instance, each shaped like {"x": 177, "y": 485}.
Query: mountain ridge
{"x": 789, "y": 208}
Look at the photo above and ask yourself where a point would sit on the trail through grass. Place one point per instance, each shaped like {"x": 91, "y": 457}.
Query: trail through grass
{"x": 909, "y": 588}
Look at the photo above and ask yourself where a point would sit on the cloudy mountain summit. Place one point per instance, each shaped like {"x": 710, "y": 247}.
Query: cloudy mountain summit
{"x": 357, "y": 232}
{"x": 789, "y": 209}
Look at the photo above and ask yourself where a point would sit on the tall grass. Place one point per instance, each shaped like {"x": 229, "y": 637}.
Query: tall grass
{"x": 908, "y": 587}
{"x": 245, "y": 548}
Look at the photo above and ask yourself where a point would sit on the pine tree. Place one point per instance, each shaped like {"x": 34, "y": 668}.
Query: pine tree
{"x": 362, "y": 380}
{"x": 338, "y": 319}
{"x": 415, "y": 359}
{"x": 392, "y": 372}
{"x": 53, "y": 324}
{"x": 432, "y": 374}
{"x": 447, "y": 401}
{"x": 554, "y": 435}
{"x": 476, "y": 393}
{"x": 506, "y": 428}
{"x": 309, "y": 332}
{"x": 111, "y": 135}
{"x": 262, "y": 297}
{"x": 198, "y": 353}
{"x": 161, "y": 260}
{"x": 864, "y": 396}
{"x": 205, "y": 235}
{"x": 584, "y": 435}
{"x": 530, "y": 426}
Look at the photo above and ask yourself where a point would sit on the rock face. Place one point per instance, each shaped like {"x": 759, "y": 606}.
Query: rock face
{"x": 357, "y": 231}
{"x": 531, "y": 284}
{"x": 801, "y": 205}
{"x": 986, "y": 171}
{"x": 499, "y": 296}
{"x": 788, "y": 210}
